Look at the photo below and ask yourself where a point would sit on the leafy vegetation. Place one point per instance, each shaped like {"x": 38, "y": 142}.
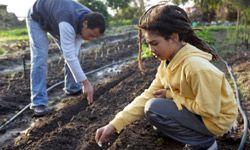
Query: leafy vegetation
{"x": 206, "y": 35}
{"x": 113, "y": 30}
{"x": 96, "y": 5}
{"x": 117, "y": 4}
{"x": 146, "y": 52}
{"x": 13, "y": 34}
{"x": 121, "y": 22}
{"x": 1, "y": 51}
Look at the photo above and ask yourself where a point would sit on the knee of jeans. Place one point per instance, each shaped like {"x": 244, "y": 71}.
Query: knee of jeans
{"x": 151, "y": 105}
{"x": 39, "y": 60}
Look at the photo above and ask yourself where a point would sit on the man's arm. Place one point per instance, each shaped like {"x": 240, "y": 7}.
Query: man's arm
{"x": 70, "y": 51}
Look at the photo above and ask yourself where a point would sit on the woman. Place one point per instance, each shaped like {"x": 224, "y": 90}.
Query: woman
{"x": 190, "y": 99}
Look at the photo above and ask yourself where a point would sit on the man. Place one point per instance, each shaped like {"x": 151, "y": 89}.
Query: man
{"x": 69, "y": 23}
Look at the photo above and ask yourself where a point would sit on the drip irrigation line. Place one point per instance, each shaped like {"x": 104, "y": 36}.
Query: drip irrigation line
{"x": 245, "y": 120}
{"x": 57, "y": 84}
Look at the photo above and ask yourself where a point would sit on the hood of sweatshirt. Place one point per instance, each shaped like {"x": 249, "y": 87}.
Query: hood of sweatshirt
{"x": 185, "y": 52}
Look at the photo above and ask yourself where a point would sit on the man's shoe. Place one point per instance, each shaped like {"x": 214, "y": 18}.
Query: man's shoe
{"x": 73, "y": 94}
{"x": 40, "y": 111}
{"x": 214, "y": 146}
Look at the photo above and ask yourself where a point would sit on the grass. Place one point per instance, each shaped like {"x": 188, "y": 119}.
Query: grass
{"x": 206, "y": 35}
{"x": 119, "y": 30}
{"x": 13, "y": 34}
{"x": 2, "y": 51}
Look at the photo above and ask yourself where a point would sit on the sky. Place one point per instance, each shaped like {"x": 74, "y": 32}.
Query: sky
{"x": 20, "y": 8}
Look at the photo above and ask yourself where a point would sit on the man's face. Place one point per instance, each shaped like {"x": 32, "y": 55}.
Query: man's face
{"x": 89, "y": 34}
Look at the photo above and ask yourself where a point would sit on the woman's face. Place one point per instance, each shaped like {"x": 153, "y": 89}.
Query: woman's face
{"x": 163, "y": 49}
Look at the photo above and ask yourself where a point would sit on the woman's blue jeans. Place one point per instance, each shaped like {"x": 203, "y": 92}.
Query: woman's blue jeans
{"x": 39, "y": 44}
{"x": 181, "y": 125}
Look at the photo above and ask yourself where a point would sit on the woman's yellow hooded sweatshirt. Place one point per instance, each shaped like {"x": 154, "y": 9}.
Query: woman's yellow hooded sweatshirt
{"x": 192, "y": 82}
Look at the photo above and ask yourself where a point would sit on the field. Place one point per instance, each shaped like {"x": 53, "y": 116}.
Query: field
{"x": 73, "y": 123}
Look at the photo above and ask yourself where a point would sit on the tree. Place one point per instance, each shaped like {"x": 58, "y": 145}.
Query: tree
{"x": 207, "y": 8}
{"x": 243, "y": 13}
{"x": 127, "y": 13}
{"x": 118, "y": 4}
{"x": 96, "y": 5}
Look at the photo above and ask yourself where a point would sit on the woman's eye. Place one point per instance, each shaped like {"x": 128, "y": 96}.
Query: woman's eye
{"x": 154, "y": 44}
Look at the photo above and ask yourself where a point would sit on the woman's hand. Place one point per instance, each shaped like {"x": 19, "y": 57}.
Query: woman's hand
{"x": 160, "y": 93}
{"x": 88, "y": 90}
{"x": 103, "y": 134}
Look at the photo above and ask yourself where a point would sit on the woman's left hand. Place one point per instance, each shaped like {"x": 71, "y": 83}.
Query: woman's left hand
{"x": 160, "y": 93}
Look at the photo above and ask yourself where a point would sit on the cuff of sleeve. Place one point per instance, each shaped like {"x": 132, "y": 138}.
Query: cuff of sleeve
{"x": 82, "y": 78}
{"x": 118, "y": 124}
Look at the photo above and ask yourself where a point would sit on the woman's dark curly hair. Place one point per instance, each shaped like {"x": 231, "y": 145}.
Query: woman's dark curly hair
{"x": 164, "y": 20}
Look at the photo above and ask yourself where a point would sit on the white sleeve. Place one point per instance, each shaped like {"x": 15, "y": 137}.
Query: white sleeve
{"x": 70, "y": 50}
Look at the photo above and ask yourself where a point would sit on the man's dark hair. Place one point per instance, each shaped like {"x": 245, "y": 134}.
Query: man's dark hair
{"x": 95, "y": 20}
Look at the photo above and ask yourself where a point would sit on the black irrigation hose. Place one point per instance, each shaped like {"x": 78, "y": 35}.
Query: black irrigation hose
{"x": 245, "y": 129}
{"x": 57, "y": 84}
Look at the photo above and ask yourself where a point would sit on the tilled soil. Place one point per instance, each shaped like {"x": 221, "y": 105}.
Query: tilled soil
{"x": 73, "y": 125}
{"x": 15, "y": 87}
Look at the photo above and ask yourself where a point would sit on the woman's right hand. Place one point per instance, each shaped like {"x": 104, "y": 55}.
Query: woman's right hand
{"x": 103, "y": 134}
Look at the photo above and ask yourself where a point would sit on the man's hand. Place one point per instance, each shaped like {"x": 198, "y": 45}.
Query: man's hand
{"x": 88, "y": 90}
{"x": 160, "y": 93}
{"x": 103, "y": 134}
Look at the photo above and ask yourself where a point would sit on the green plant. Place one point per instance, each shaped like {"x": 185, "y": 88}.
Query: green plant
{"x": 206, "y": 35}
{"x": 120, "y": 29}
{"x": 146, "y": 52}
{"x": 2, "y": 51}
{"x": 119, "y": 22}
{"x": 14, "y": 34}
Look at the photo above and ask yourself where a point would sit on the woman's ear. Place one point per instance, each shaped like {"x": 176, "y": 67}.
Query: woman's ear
{"x": 175, "y": 37}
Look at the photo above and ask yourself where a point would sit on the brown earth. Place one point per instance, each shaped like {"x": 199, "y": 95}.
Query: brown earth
{"x": 73, "y": 125}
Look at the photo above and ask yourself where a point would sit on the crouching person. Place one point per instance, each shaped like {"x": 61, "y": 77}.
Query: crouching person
{"x": 190, "y": 99}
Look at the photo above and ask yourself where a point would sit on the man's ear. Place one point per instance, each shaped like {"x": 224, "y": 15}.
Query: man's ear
{"x": 85, "y": 24}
